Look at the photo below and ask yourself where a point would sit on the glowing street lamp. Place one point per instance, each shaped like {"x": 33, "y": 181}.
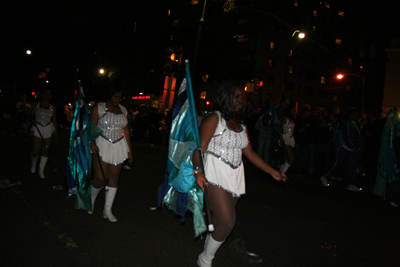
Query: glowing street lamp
{"x": 28, "y": 52}
{"x": 340, "y": 76}
{"x": 101, "y": 71}
{"x": 300, "y": 35}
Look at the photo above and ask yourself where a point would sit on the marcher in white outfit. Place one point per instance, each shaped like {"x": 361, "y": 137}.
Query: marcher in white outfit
{"x": 44, "y": 125}
{"x": 288, "y": 139}
{"x": 113, "y": 147}
{"x": 223, "y": 140}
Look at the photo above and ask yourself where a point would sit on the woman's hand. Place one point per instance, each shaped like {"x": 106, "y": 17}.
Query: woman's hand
{"x": 201, "y": 181}
{"x": 130, "y": 158}
{"x": 94, "y": 147}
{"x": 279, "y": 176}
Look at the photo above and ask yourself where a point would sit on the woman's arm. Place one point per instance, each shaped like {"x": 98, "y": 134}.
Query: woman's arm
{"x": 249, "y": 153}
{"x": 94, "y": 116}
{"x": 207, "y": 129}
{"x": 128, "y": 140}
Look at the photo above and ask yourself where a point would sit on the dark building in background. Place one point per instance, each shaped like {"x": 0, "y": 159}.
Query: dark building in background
{"x": 258, "y": 42}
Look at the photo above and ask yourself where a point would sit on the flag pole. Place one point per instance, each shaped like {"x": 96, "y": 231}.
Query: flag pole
{"x": 197, "y": 138}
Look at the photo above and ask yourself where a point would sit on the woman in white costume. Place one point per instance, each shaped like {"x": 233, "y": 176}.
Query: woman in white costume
{"x": 223, "y": 140}
{"x": 288, "y": 141}
{"x": 113, "y": 147}
{"x": 44, "y": 125}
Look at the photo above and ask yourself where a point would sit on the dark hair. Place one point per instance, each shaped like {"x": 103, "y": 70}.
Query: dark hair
{"x": 111, "y": 90}
{"x": 224, "y": 99}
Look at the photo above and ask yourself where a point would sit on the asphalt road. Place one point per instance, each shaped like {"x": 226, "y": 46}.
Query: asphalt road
{"x": 299, "y": 223}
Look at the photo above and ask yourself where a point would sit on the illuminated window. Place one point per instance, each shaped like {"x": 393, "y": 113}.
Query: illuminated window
{"x": 350, "y": 61}
{"x": 203, "y": 94}
{"x": 327, "y": 5}
{"x": 175, "y": 22}
{"x": 290, "y": 69}
{"x": 314, "y": 28}
{"x": 338, "y": 41}
{"x": 361, "y": 67}
{"x": 205, "y": 77}
{"x": 169, "y": 13}
{"x": 271, "y": 62}
{"x": 172, "y": 37}
{"x": 314, "y": 13}
{"x": 341, "y": 13}
{"x": 272, "y": 45}
{"x": 296, "y": 3}
{"x": 323, "y": 79}
{"x": 195, "y": 2}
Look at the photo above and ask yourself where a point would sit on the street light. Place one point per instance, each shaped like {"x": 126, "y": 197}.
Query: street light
{"x": 341, "y": 76}
{"x": 28, "y": 52}
{"x": 300, "y": 35}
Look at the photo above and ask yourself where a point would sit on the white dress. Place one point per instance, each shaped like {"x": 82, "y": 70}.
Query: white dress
{"x": 287, "y": 134}
{"x": 43, "y": 118}
{"x": 223, "y": 165}
{"x": 112, "y": 143}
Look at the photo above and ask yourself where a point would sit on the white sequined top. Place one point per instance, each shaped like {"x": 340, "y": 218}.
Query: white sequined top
{"x": 112, "y": 124}
{"x": 227, "y": 144}
{"x": 43, "y": 116}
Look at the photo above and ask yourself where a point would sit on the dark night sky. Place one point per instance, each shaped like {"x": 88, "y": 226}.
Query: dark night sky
{"x": 65, "y": 33}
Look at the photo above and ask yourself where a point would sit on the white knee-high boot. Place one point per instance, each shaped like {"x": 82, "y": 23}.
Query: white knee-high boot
{"x": 210, "y": 248}
{"x": 110, "y": 195}
{"x": 284, "y": 167}
{"x": 34, "y": 161}
{"x": 42, "y": 164}
{"x": 94, "y": 192}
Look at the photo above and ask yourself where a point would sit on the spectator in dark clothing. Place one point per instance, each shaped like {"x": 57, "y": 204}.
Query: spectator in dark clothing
{"x": 347, "y": 149}
{"x": 372, "y": 134}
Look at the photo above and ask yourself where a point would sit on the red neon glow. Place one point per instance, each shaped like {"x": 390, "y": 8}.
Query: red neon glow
{"x": 141, "y": 97}
{"x": 260, "y": 84}
{"x": 33, "y": 93}
{"x": 207, "y": 103}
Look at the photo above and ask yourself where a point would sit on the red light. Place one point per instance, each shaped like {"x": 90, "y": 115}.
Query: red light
{"x": 207, "y": 103}
{"x": 260, "y": 84}
{"x": 33, "y": 93}
{"x": 340, "y": 76}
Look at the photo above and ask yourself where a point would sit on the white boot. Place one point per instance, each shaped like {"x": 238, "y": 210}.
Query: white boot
{"x": 284, "y": 167}
{"x": 210, "y": 248}
{"x": 94, "y": 192}
{"x": 34, "y": 161}
{"x": 42, "y": 164}
{"x": 110, "y": 195}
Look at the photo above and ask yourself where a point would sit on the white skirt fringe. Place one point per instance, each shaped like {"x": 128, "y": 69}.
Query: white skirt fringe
{"x": 113, "y": 153}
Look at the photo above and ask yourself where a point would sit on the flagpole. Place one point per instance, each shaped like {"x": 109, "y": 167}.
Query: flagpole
{"x": 198, "y": 143}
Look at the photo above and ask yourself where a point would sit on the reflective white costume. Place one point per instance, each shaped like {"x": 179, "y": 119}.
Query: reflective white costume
{"x": 43, "y": 118}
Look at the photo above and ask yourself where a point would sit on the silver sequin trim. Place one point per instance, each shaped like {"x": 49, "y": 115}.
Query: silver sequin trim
{"x": 224, "y": 160}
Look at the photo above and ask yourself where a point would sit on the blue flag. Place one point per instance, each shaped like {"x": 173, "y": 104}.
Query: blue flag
{"x": 179, "y": 191}
{"x": 79, "y": 160}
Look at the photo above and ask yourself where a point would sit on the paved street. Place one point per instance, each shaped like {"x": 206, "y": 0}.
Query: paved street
{"x": 299, "y": 223}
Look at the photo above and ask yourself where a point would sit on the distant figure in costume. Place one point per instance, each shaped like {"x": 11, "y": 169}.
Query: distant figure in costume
{"x": 44, "y": 125}
{"x": 287, "y": 122}
{"x": 223, "y": 140}
{"x": 113, "y": 146}
{"x": 387, "y": 184}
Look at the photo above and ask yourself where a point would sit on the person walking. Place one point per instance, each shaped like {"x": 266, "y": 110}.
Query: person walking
{"x": 223, "y": 140}
{"x": 288, "y": 141}
{"x": 44, "y": 125}
{"x": 347, "y": 149}
{"x": 112, "y": 147}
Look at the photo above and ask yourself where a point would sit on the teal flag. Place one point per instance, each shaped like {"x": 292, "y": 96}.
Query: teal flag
{"x": 79, "y": 160}
{"x": 179, "y": 191}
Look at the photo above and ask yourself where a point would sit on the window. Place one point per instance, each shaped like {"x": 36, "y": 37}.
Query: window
{"x": 203, "y": 95}
{"x": 296, "y": 3}
{"x": 195, "y": 2}
{"x": 338, "y": 41}
{"x": 314, "y": 13}
{"x": 334, "y": 98}
{"x": 290, "y": 52}
{"x": 169, "y": 12}
{"x": 327, "y": 5}
{"x": 175, "y": 22}
{"x": 350, "y": 61}
{"x": 314, "y": 28}
{"x": 322, "y": 79}
{"x": 272, "y": 45}
{"x": 205, "y": 77}
{"x": 271, "y": 62}
{"x": 290, "y": 69}
{"x": 341, "y": 13}
{"x": 172, "y": 37}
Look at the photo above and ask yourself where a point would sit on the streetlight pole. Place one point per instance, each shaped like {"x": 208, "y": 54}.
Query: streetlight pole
{"x": 301, "y": 35}
{"x": 341, "y": 76}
